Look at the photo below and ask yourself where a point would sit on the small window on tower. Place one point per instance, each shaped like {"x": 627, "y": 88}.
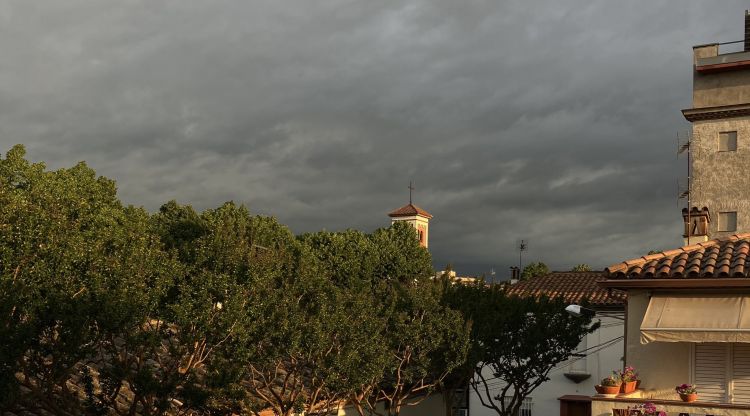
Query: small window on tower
{"x": 728, "y": 141}
{"x": 421, "y": 236}
{"x": 728, "y": 221}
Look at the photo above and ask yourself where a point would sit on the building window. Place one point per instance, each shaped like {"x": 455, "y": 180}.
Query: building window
{"x": 722, "y": 372}
{"x": 460, "y": 402}
{"x": 728, "y": 141}
{"x": 578, "y": 359}
{"x": 728, "y": 221}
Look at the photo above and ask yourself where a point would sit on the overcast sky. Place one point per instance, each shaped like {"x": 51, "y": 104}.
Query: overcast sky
{"x": 553, "y": 121}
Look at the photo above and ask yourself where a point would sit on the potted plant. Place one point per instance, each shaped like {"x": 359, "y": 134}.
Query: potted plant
{"x": 687, "y": 392}
{"x": 609, "y": 385}
{"x": 629, "y": 377}
{"x": 647, "y": 409}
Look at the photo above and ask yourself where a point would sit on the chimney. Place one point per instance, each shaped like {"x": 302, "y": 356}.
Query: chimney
{"x": 696, "y": 225}
{"x": 747, "y": 30}
{"x": 515, "y": 274}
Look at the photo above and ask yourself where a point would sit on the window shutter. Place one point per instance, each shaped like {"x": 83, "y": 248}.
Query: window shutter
{"x": 741, "y": 373}
{"x": 711, "y": 362}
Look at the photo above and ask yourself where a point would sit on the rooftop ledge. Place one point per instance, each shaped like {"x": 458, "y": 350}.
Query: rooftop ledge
{"x": 671, "y": 405}
{"x": 724, "y": 62}
{"x": 718, "y": 112}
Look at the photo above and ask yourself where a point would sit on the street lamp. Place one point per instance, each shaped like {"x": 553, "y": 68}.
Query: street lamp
{"x": 575, "y": 310}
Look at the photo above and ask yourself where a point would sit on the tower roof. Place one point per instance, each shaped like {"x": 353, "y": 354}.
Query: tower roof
{"x": 408, "y": 211}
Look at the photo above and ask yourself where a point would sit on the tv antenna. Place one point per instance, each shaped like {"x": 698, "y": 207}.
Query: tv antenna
{"x": 684, "y": 143}
{"x": 521, "y": 245}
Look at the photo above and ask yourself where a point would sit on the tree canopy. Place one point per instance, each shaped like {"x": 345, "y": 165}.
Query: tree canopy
{"x": 533, "y": 270}
{"x": 583, "y": 267}
{"x": 110, "y": 309}
{"x": 518, "y": 341}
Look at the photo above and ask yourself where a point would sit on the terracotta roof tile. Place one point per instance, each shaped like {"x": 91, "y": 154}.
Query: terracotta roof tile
{"x": 409, "y": 210}
{"x": 573, "y": 287}
{"x": 726, "y": 257}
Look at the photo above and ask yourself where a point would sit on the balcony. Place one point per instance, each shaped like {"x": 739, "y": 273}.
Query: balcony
{"x": 617, "y": 406}
{"x": 715, "y": 58}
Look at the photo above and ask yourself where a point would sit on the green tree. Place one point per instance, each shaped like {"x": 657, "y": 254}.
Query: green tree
{"x": 536, "y": 335}
{"x": 232, "y": 264}
{"x": 421, "y": 339}
{"x": 109, "y": 310}
{"x": 349, "y": 258}
{"x": 399, "y": 255}
{"x": 471, "y": 299}
{"x": 76, "y": 270}
{"x": 581, "y": 268}
{"x": 534, "y": 270}
{"x": 425, "y": 338}
{"x": 519, "y": 340}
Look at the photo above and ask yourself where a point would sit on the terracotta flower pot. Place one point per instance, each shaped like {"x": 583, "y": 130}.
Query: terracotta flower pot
{"x": 689, "y": 397}
{"x": 628, "y": 386}
{"x": 607, "y": 389}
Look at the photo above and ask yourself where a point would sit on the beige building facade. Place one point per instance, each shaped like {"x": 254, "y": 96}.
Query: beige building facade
{"x": 720, "y": 142}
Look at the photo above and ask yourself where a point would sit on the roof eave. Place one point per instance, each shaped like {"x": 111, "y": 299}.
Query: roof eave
{"x": 651, "y": 283}
{"x": 428, "y": 216}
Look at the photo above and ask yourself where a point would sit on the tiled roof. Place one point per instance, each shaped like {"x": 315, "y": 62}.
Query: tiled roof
{"x": 720, "y": 258}
{"x": 409, "y": 210}
{"x": 573, "y": 287}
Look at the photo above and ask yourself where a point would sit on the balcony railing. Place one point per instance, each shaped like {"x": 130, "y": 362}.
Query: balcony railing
{"x": 731, "y": 47}
{"x": 618, "y": 406}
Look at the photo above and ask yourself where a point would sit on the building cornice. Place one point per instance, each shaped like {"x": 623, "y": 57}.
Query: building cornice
{"x": 715, "y": 113}
{"x": 683, "y": 283}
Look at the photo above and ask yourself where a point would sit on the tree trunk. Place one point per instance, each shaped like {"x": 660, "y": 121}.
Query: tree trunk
{"x": 448, "y": 400}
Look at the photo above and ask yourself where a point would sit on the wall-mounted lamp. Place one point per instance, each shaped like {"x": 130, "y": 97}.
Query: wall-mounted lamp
{"x": 575, "y": 310}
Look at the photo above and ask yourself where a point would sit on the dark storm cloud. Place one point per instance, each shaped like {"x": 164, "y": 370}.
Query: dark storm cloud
{"x": 551, "y": 121}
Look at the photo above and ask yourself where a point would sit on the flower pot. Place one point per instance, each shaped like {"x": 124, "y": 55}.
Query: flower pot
{"x": 689, "y": 397}
{"x": 628, "y": 386}
{"x": 607, "y": 389}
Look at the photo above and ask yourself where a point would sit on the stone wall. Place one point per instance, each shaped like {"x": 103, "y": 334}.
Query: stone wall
{"x": 721, "y": 180}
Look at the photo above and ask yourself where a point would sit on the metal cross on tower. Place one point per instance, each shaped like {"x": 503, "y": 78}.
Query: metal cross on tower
{"x": 411, "y": 188}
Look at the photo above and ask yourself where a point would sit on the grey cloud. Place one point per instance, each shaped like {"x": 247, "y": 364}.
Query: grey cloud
{"x": 545, "y": 120}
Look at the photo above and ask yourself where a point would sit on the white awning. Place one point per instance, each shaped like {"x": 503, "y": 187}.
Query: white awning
{"x": 691, "y": 318}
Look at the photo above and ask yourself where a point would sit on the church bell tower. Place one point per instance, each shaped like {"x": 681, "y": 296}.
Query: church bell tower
{"x": 416, "y": 216}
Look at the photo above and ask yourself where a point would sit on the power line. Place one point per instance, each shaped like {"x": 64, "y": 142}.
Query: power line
{"x": 595, "y": 348}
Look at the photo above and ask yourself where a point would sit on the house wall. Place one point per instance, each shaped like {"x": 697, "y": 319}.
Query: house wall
{"x": 661, "y": 365}
{"x": 719, "y": 179}
{"x": 599, "y": 364}
{"x": 719, "y": 88}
